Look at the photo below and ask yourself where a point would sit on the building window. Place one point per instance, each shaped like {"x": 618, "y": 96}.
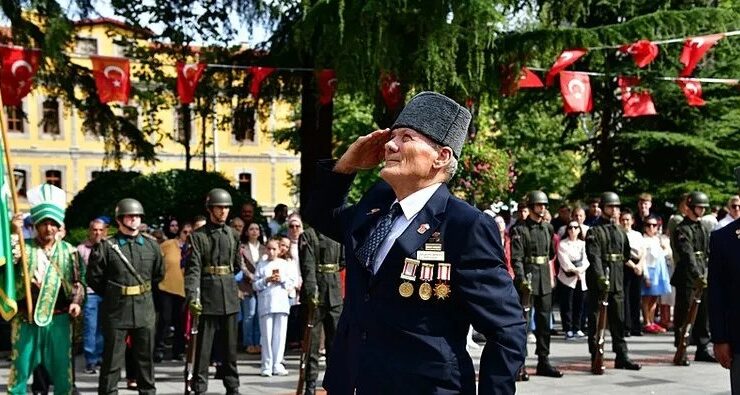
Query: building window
{"x": 121, "y": 47}
{"x": 15, "y": 118}
{"x": 86, "y": 46}
{"x": 20, "y": 182}
{"x": 50, "y": 120}
{"x": 245, "y": 183}
{"x": 54, "y": 177}
{"x": 244, "y": 123}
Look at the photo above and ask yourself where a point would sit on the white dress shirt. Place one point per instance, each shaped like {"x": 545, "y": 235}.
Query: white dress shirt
{"x": 410, "y": 205}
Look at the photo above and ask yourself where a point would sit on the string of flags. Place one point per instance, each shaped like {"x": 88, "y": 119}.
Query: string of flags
{"x": 575, "y": 86}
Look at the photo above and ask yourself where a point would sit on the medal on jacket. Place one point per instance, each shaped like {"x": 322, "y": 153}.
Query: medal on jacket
{"x": 406, "y": 289}
{"x": 442, "y": 289}
{"x": 426, "y": 275}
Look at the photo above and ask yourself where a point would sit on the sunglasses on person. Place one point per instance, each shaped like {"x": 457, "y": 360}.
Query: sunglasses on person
{"x": 294, "y": 226}
{"x": 651, "y": 225}
{"x": 573, "y": 227}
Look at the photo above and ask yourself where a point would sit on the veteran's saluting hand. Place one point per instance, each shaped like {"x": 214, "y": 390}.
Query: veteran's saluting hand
{"x": 365, "y": 153}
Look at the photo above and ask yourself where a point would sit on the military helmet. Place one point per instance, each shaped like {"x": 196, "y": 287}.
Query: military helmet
{"x": 609, "y": 199}
{"x": 218, "y": 197}
{"x": 536, "y": 197}
{"x": 698, "y": 199}
{"x": 129, "y": 206}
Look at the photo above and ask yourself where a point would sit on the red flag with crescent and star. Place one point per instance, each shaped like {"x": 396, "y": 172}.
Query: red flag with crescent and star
{"x": 327, "y": 80}
{"x": 111, "y": 78}
{"x": 576, "y": 90}
{"x": 694, "y": 49}
{"x": 528, "y": 79}
{"x": 566, "y": 58}
{"x": 635, "y": 103}
{"x": 692, "y": 90}
{"x": 188, "y": 75}
{"x": 19, "y": 66}
{"x": 258, "y": 75}
{"x": 643, "y": 52}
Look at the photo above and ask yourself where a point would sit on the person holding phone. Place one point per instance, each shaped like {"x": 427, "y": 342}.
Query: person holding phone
{"x": 272, "y": 281}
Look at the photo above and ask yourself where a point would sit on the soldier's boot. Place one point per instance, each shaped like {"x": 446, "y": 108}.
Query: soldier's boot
{"x": 310, "y": 388}
{"x": 522, "y": 375}
{"x": 703, "y": 355}
{"x": 544, "y": 368}
{"x": 623, "y": 362}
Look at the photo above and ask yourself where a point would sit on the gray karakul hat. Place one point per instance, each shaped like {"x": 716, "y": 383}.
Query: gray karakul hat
{"x": 437, "y": 117}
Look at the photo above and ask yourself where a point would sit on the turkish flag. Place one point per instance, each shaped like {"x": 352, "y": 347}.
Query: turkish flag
{"x": 258, "y": 75}
{"x": 635, "y": 103}
{"x": 19, "y": 66}
{"x": 643, "y": 52}
{"x": 188, "y": 75}
{"x": 576, "y": 90}
{"x": 390, "y": 89}
{"x": 694, "y": 49}
{"x": 692, "y": 91}
{"x": 528, "y": 79}
{"x": 565, "y": 59}
{"x": 327, "y": 80}
{"x": 112, "y": 78}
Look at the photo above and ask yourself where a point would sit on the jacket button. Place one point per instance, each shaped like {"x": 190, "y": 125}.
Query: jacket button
{"x": 367, "y": 297}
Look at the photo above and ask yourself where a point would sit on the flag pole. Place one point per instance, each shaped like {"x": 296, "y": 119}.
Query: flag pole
{"x": 14, "y": 194}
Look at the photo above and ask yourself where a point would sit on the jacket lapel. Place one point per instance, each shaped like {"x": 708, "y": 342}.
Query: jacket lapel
{"x": 414, "y": 236}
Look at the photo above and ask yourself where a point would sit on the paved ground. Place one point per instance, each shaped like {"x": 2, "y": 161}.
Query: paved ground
{"x": 655, "y": 352}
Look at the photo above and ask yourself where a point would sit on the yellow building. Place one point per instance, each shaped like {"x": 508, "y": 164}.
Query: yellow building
{"x": 50, "y": 145}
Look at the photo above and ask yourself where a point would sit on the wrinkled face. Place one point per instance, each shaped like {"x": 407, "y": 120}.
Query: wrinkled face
{"x": 734, "y": 209}
{"x": 295, "y": 228}
{"x": 47, "y": 230}
{"x": 253, "y": 231}
{"x": 96, "y": 231}
{"x": 219, "y": 214}
{"x": 130, "y": 221}
{"x": 238, "y": 225}
{"x": 272, "y": 249}
{"x": 247, "y": 213}
{"x": 409, "y": 156}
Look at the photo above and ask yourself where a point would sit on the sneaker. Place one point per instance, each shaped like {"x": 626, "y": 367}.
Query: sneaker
{"x": 266, "y": 373}
{"x": 531, "y": 338}
{"x": 90, "y": 369}
{"x": 570, "y": 336}
{"x": 580, "y": 334}
{"x": 280, "y": 371}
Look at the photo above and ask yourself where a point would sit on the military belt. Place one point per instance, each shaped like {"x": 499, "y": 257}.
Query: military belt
{"x": 327, "y": 268}
{"x": 219, "y": 270}
{"x": 135, "y": 289}
{"x": 537, "y": 260}
{"x": 613, "y": 257}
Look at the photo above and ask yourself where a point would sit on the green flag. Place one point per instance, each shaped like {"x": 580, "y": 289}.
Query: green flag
{"x": 8, "y": 306}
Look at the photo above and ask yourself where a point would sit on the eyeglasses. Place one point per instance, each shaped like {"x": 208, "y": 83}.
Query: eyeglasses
{"x": 294, "y": 226}
{"x": 573, "y": 227}
{"x": 651, "y": 225}
{"x": 735, "y": 206}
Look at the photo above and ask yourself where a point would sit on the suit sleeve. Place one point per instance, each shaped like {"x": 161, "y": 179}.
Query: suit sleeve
{"x": 721, "y": 282}
{"x": 192, "y": 268}
{"x": 487, "y": 292}
{"x": 96, "y": 265}
{"x": 593, "y": 252}
{"x": 309, "y": 248}
{"x": 327, "y": 204}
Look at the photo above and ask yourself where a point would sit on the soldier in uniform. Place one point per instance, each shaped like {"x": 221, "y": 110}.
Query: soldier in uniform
{"x": 321, "y": 259}
{"x": 691, "y": 248}
{"x": 607, "y": 246}
{"x": 211, "y": 290}
{"x": 123, "y": 269}
{"x": 531, "y": 251}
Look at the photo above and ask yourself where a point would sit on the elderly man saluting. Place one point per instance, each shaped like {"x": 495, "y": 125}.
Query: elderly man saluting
{"x": 422, "y": 265}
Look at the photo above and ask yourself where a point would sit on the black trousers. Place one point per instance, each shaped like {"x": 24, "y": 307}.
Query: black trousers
{"x": 296, "y": 325}
{"x": 632, "y": 296}
{"x": 226, "y": 327}
{"x": 542, "y": 310}
{"x": 114, "y": 350}
{"x": 615, "y": 322}
{"x": 571, "y": 307}
{"x": 700, "y": 330}
{"x": 171, "y": 314}
{"x": 325, "y": 319}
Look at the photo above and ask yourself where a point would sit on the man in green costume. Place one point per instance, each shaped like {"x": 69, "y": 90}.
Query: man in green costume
{"x": 57, "y": 292}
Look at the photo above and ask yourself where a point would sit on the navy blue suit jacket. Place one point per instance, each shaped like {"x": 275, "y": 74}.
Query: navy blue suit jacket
{"x": 387, "y": 344}
{"x": 724, "y": 292}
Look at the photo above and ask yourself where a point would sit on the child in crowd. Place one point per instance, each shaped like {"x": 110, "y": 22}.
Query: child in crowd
{"x": 273, "y": 279}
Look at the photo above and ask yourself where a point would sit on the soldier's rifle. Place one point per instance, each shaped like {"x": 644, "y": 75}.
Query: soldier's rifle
{"x": 597, "y": 365}
{"x": 306, "y": 344}
{"x": 685, "y": 330}
{"x": 192, "y": 348}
